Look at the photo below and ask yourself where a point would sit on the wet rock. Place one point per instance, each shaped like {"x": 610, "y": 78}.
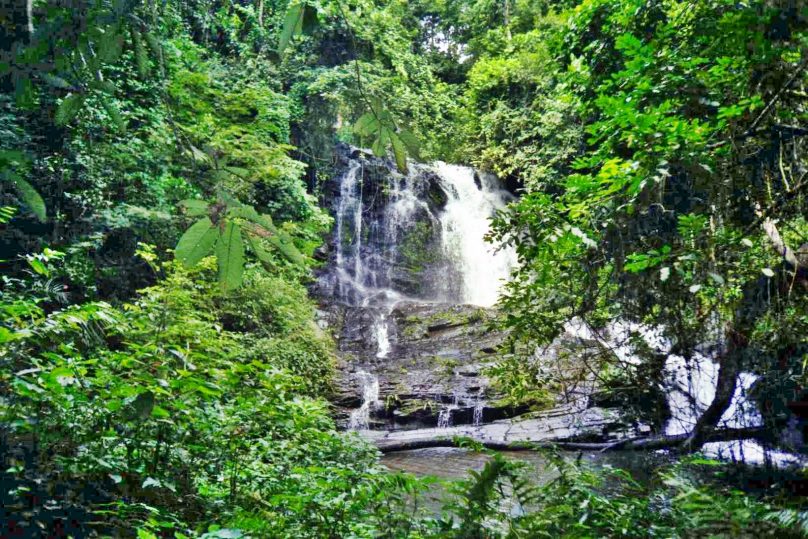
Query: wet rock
{"x": 564, "y": 424}
{"x": 426, "y": 370}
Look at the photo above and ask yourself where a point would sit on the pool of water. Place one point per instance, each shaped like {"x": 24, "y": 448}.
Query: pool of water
{"x": 455, "y": 463}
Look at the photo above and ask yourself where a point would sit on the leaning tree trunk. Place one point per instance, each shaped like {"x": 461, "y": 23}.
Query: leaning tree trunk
{"x": 728, "y": 370}
{"x": 730, "y": 364}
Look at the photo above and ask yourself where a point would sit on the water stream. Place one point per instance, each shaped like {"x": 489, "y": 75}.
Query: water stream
{"x": 360, "y": 418}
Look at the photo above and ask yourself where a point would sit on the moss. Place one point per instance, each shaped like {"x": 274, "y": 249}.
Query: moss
{"x": 415, "y": 250}
{"x": 416, "y": 405}
{"x": 414, "y": 331}
{"x": 458, "y": 316}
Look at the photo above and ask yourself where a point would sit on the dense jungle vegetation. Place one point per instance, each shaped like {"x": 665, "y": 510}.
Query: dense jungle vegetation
{"x": 161, "y": 372}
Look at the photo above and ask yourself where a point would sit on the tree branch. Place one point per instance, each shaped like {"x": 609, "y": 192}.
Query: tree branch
{"x": 780, "y": 246}
{"x": 753, "y": 127}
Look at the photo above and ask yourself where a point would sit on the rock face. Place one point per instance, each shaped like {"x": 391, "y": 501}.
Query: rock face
{"x": 388, "y": 235}
{"x": 411, "y": 353}
{"x": 434, "y": 370}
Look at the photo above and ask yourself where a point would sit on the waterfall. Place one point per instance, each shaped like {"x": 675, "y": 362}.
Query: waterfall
{"x": 477, "y": 418}
{"x": 381, "y": 230}
{"x": 349, "y": 221}
{"x": 689, "y": 387}
{"x": 381, "y": 333}
{"x": 465, "y": 223}
{"x": 417, "y": 238}
{"x": 360, "y": 417}
{"x": 445, "y": 414}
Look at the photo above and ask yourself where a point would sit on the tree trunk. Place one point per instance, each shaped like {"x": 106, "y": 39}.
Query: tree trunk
{"x": 730, "y": 364}
{"x": 507, "y": 18}
{"x": 633, "y": 444}
{"x": 727, "y": 380}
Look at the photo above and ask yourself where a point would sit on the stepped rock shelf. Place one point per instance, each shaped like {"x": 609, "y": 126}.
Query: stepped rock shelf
{"x": 436, "y": 364}
{"x": 563, "y": 426}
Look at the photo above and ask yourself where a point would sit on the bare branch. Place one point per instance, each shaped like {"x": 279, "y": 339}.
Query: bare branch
{"x": 779, "y": 244}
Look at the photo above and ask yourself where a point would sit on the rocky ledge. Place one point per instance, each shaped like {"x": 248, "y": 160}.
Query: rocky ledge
{"x": 435, "y": 367}
{"x": 568, "y": 426}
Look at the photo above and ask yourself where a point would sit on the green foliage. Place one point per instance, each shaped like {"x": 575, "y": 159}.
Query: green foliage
{"x": 379, "y": 126}
{"x": 300, "y": 19}
{"x": 197, "y": 242}
{"x": 649, "y": 157}
{"x": 225, "y": 238}
{"x": 12, "y": 163}
{"x": 651, "y": 141}
{"x": 178, "y": 403}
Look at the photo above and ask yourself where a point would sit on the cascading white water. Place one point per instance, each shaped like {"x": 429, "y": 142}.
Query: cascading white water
{"x": 360, "y": 417}
{"x": 477, "y": 418}
{"x": 368, "y": 243}
{"x": 381, "y": 332}
{"x": 419, "y": 238}
{"x": 465, "y": 223}
{"x": 690, "y": 388}
{"x": 445, "y": 414}
{"x": 350, "y": 209}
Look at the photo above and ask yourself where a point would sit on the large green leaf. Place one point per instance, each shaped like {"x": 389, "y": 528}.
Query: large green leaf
{"x": 366, "y": 125}
{"x": 68, "y": 108}
{"x": 411, "y": 142}
{"x": 114, "y": 115}
{"x": 283, "y": 243}
{"x": 230, "y": 256}
{"x": 27, "y": 193}
{"x": 380, "y": 145}
{"x": 250, "y": 214}
{"x": 194, "y": 207}
{"x": 292, "y": 24}
{"x": 197, "y": 242}
{"x": 399, "y": 152}
{"x": 261, "y": 253}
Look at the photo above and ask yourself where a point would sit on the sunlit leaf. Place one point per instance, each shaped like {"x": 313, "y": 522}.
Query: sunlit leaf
{"x": 230, "y": 256}
{"x": 68, "y": 109}
{"x": 197, "y": 242}
{"x": 283, "y": 243}
{"x": 411, "y": 142}
{"x": 366, "y": 125}
{"x": 292, "y": 24}
{"x": 380, "y": 145}
{"x": 29, "y": 196}
{"x": 399, "y": 152}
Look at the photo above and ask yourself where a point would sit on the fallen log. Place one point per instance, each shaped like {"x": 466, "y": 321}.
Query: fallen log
{"x": 664, "y": 441}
